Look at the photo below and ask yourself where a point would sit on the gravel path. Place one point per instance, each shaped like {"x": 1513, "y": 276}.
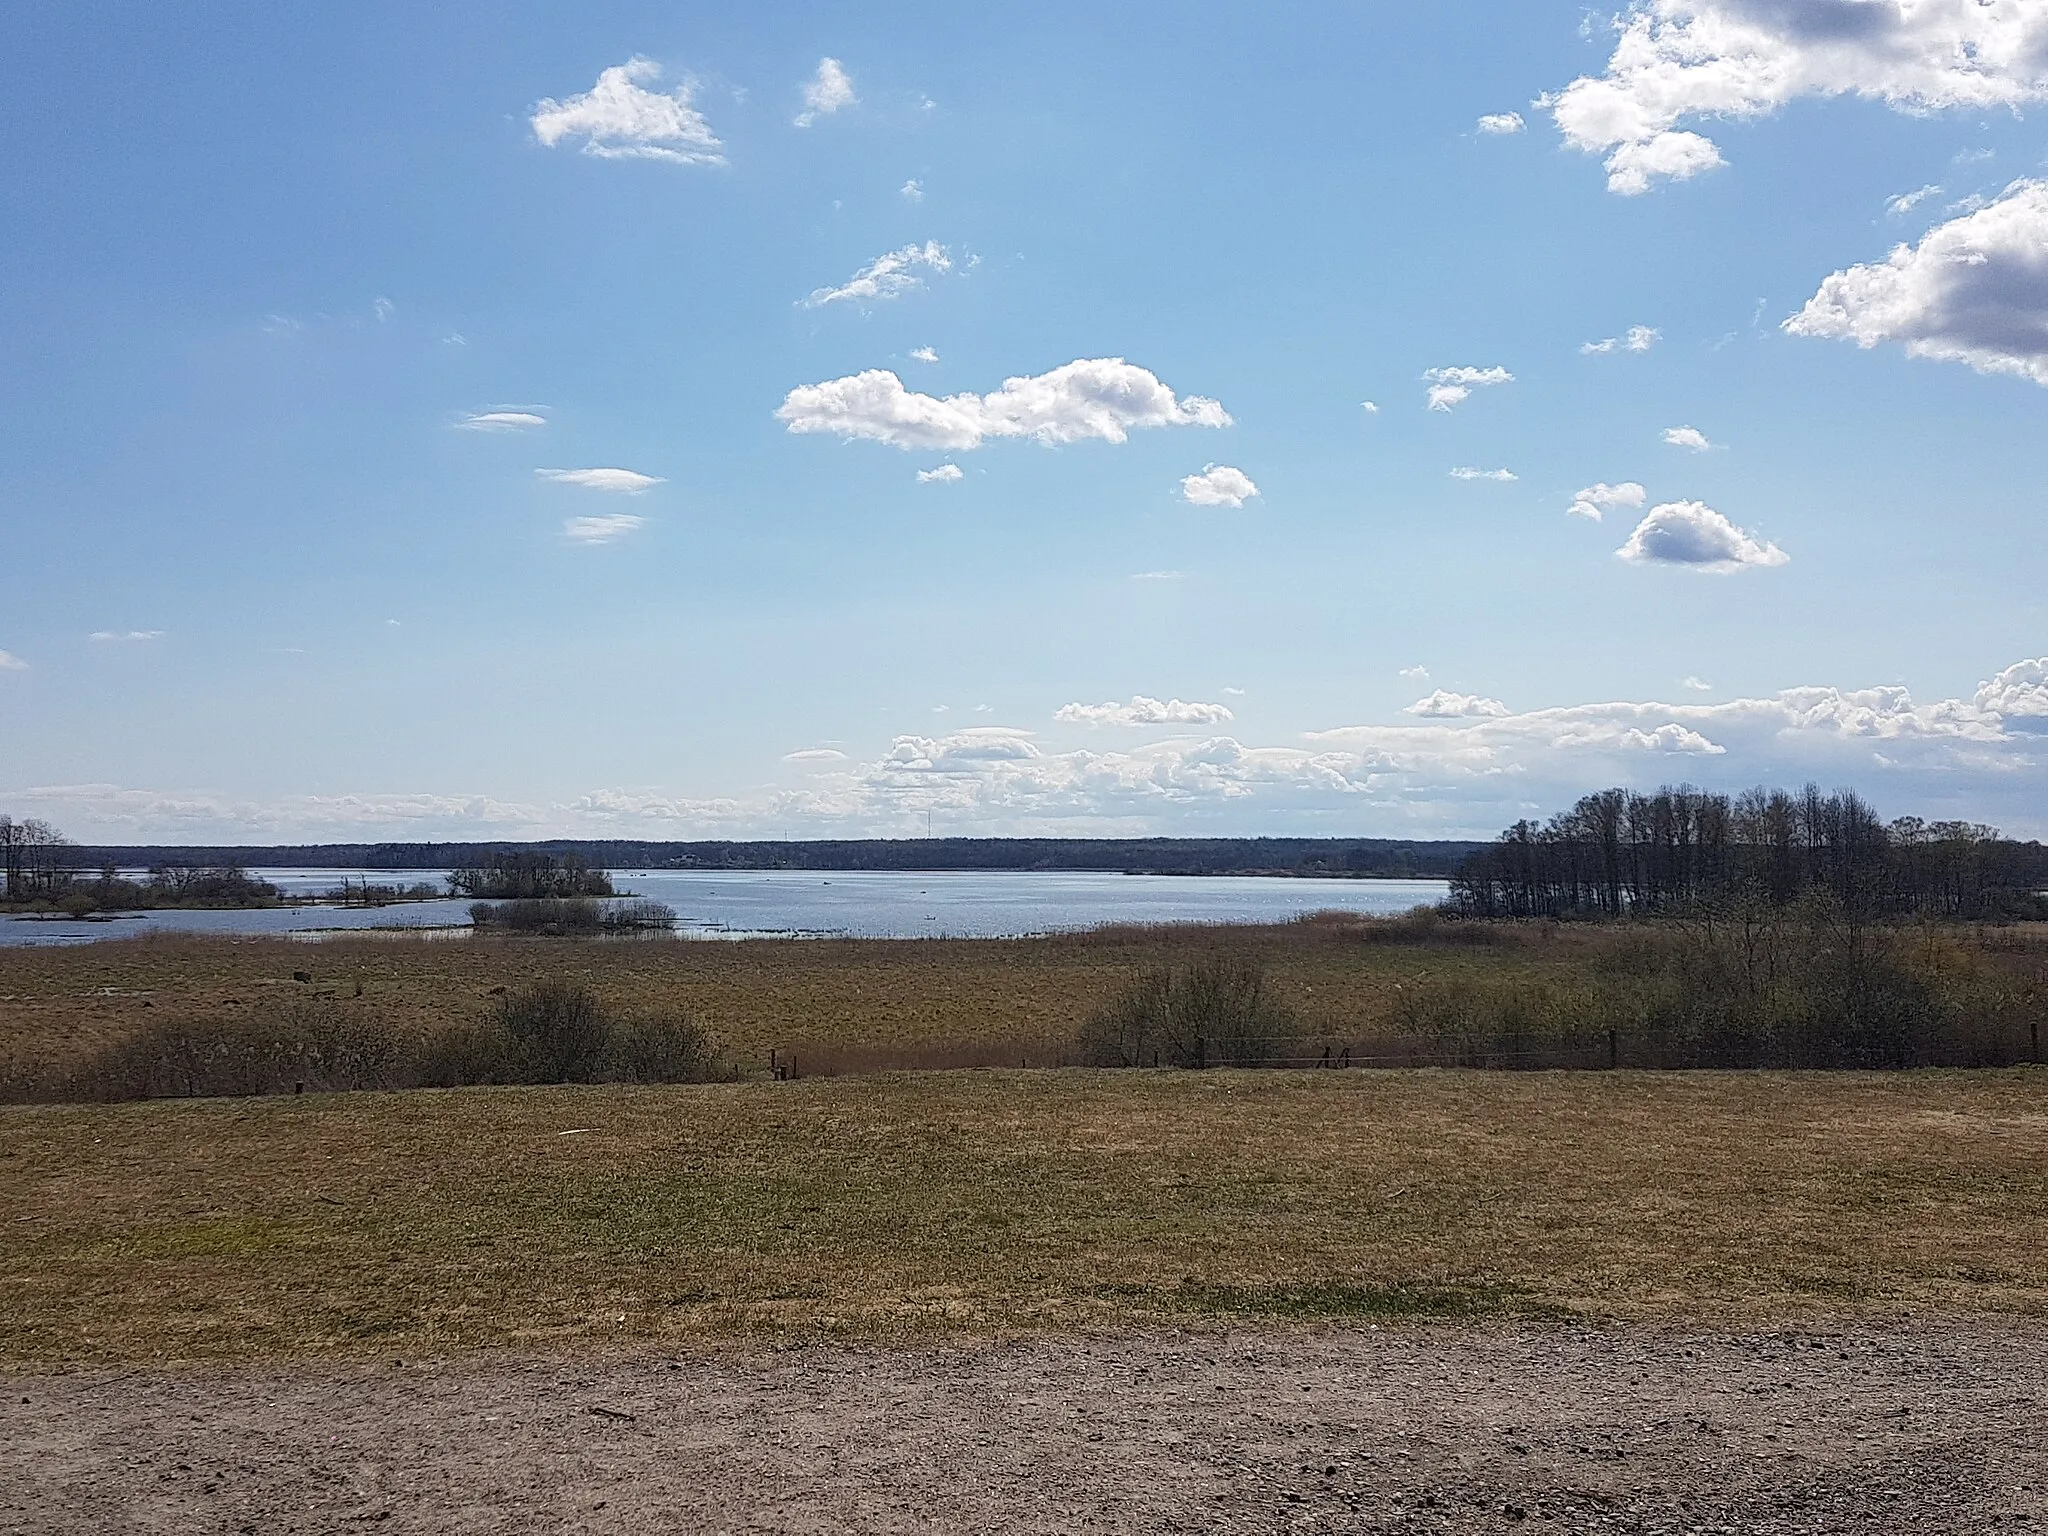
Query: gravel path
{"x": 1406, "y": 1430}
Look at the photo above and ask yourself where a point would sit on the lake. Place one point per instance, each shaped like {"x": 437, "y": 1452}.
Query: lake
{"x": 890, "y": 904}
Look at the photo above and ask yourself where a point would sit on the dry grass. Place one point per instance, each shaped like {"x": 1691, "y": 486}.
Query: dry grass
{"x": 870, "y": 1004}
{"x": 997, "y": 1201}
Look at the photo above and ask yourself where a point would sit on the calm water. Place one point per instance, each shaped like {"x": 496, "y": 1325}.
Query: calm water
{"x": 882, "y": 905}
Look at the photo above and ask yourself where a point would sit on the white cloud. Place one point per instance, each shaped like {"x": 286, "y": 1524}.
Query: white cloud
{"x": 2018, "y": 695}
{"x": 888, "y": 275}
{"x": 944, "y": 474}
{"x": 1974, "y": 290}
{"x": 912, "y": 190}
{"x": 1144, "y": 711}
{"x": 1694, "y": 534}
{"x": 1416, "y": 674}
{"x": 9, "y": 662}
{"x": 1596, "y": 498}
{"x": 1502, "y": 122}
{"x": 1444, "y": 705}
{"x": 923, "y": 355}
{"x": 502, "y": 421}
{"x": 1159, "y": 576}
{"x": 815, "y": 755}
{"x": 125, "y": 635}
{"x": 1684, "y": 60}
{"x": 604, "y": 529}
{"x": 1687, "y": 437}
{"x": 383, "y": 309}
{"x": 825, "y": 93}
{"x": 624, "y": 482}
{"x": 1218, "y": 485}
{"x": 1466, "y": 472}
{"x": 1452, "y": 386}
{"x": 1697, "y": 685}
{"x": 1978, "y": 758}
{"x": 619, "y": 120}
{"x": 1906, "y": 202}
{"x": 1105, "y": 398}
{"x": 1637, "y": 338}
{"x": 1369, "y": 407}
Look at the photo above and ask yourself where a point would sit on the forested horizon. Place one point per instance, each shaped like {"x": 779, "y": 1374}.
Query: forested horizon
{"x": 1682, "y": 850}
{"x": 1342, "y": 857}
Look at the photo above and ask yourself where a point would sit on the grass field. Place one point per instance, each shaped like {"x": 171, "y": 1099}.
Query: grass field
{"x": 987, "y": 1202}
{"x": 839, "y": 1005}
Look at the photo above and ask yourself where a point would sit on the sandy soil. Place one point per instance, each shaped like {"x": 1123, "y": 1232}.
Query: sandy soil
{"x": 1408, "y": 1430}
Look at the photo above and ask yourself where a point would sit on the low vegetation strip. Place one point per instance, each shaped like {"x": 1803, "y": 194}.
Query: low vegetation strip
{"x": 996, "y": 1202}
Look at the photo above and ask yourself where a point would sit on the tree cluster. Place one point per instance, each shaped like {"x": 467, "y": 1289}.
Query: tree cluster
{"x": 515, "y": 876}
{"x": 1619, "y": 853}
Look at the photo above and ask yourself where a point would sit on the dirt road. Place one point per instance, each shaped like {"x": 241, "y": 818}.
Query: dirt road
{"x": 1404, "y": 1430}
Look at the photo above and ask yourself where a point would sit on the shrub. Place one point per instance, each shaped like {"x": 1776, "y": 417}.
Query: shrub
{"x": 665, "y": 1048}
{"x": 555, "y": 1031}
{"x": 551, "y": 1032}
{"x": 1215, "y": 1011}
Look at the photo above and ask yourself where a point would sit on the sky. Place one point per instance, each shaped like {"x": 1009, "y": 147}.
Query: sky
{"x": 673, "y": 421}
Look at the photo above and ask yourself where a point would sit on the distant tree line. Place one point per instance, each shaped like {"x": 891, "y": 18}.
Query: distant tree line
{"x": 1680, "y": 851}
{"x": 1337, "y": 857}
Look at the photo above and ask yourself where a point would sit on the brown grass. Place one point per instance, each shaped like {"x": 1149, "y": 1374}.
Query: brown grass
{"x": 871, "y": 1004}
{"x": 988, "y": 1202}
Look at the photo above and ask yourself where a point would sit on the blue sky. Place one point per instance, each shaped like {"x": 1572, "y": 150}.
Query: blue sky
{"x": 271, "y": 578}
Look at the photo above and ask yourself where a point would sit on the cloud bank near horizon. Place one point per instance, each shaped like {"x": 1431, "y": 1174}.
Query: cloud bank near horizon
{"x": 1459, "y": 766}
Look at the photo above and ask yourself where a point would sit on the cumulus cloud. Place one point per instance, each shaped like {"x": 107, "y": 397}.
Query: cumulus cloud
{"x": 1980, "y": 757}
{"x": 1450, "y": 387}
{"x": 912, "y": 191}
{"x": 1974, "y": 290}
{"x": 1104, "y": 398}
{"x": 502, "y": 421}
{"x": 1371, "y": 408}
{"x": 1637, "y": 338}
{"x": 623, "y": 482}
{"x": 605, "y": 529}
{"x": 1502, "y": 122}
{"x": 1416, "y": 674}
{"x": 945, "y": 474}
{"x": 923, "y": 355}
{"x": 825, "y": 93}
{"x": 117, "y": 636}
{"x": 886, "y": 277}
{"x": 2018, "y": 695}
{"x": 1144, "y": 711}
{"x": 1678, "y": 61}
{"x": 1596, "y": 498}
{"x": 9, "y": 662}
{"x": 1692, "y": 533}
{"x": 1466, "y": 472}
{"x": 619, "y": 119}
{"x": 1218, "y": 485}
{"x": 1687, "y": 437}
{"x": 1444, "y": 705}
{"x": 1697, "y": 685}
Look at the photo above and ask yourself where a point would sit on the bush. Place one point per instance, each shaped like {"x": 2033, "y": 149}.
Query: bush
{"x": 208, "y": 1058}
{"x": 554, "y": 1031}
{"x": 551, "y": 1032}
{"x": 549, "y": 916}
{"x": 1215, "y": 1011}
{"x": 663, "y": 1049}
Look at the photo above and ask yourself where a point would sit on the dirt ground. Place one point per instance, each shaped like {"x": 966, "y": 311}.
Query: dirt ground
{"x": 1889, "y": 1429}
